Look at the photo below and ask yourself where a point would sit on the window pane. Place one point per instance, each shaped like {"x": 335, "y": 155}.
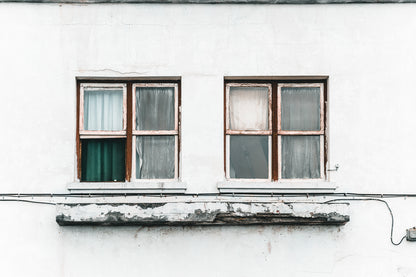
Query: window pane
{"x": 103, "y": 160}
{"x": 249, "y": 157}
{"x": 155, "y": 157}
{"x": 301, "y": 157}
{"x": 301, "y": 108}
{"x": 103, "y": 110}
{"x": 155, "y": 108}
{"x": 249, "y": 108}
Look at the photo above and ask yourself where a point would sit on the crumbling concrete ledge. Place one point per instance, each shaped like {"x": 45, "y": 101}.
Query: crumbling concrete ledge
{"x": 205, "y": 213}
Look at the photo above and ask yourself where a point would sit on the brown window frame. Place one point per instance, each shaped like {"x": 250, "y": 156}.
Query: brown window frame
{"x": 128, "y": 132}
{"x": 275, "y": 158}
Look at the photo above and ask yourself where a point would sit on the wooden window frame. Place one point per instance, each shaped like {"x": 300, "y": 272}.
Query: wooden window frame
{"x": 229, "y": 132}
{"x": 275, "y": 159}
{"x": 128, "y": 132}
{"x": 88, "y": 134}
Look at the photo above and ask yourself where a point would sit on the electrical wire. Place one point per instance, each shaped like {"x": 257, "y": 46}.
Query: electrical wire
{"x": 27, "y": 201}
{"x": 373, "y": 199}
{"x": 210, "y": 194}
{"x": 239, "y": 194}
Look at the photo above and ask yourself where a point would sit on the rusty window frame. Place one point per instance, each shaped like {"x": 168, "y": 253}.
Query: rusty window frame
{"x": 127, "y": 132}
{"x": 275, "y": 150}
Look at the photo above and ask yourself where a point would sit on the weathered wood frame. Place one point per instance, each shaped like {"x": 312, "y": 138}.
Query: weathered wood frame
{"x": 137, "y": 133}
{"x": 229, "y": 132}
{"x": 86, "y": 134}
{"x": 276, "y": 83}
{"x": 127, "y": 132}
{"x": 320, "y": 132}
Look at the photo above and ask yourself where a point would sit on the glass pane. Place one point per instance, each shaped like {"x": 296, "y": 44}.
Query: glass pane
{"x": 155, "y": 108}
{"x": 301, "y": 157}
{"x": 103, "y": 110}
{"x": 249, "y": 157}
{"x": 301, "y": 108}
{"x": 249, "y": 108}
{"x": 103, "y": 160}
{"x": 155, "y": 157}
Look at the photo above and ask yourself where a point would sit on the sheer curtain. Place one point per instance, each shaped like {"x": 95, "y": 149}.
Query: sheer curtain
{"x": 155, "y": 157}
{"x": 103, "y": 159}
{"x": 300, "y": 108}
{"x": 300, "y": 157}
{"x": 103, "y": 110}
{"x": 155, "y": 108}
{"x": 249, "y": 108}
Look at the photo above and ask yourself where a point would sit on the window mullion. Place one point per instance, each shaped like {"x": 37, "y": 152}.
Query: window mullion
{"x": 129, "y": 132}
{"x": 274, "y": 148}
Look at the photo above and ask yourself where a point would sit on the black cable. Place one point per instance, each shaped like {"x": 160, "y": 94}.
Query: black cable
{"x": 373, "y": 199}
{"x": 326, "y": 202}
{"x": 235, "y": 194}
{"x": 28, "y": 201}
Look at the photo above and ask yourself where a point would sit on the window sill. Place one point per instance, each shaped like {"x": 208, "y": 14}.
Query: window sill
{"x": 147, "y": 187}
{"x": 289, "y": 186}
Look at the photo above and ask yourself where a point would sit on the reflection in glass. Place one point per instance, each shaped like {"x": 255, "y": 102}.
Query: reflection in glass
{"x": 249, "y": 157}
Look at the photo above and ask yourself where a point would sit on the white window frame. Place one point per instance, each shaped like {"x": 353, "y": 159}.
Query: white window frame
{"x": 229, "y": 132}
{"x": 85, "y": 134}
{"x": 136, "y": 133}
{"x": 320, "y": 132}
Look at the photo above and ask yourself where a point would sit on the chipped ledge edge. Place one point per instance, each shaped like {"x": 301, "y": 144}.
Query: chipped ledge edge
{"x": 202, "y": 214}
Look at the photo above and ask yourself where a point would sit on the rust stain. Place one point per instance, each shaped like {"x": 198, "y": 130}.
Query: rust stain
{"x": 137, "y": 231}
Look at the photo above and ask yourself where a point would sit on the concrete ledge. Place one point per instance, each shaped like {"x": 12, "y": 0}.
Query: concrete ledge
{"x": 206, "y": 213}
{"x": 296, "y": 2}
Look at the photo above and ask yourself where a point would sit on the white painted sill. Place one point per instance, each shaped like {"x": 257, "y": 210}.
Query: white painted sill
{"x": 145, "y": 187}
{"x": 287, "y": 186}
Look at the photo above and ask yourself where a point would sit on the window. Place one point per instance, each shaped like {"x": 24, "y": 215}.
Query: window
{"x": 128, "y": 131}
{"x": 275, "y": 129}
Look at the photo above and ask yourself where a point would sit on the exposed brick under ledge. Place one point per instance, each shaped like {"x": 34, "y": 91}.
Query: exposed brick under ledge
{"x": 202, "y": 213}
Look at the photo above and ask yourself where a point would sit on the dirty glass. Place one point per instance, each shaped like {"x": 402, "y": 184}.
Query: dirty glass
{"x": 300, "y": 108}
{"x": 103, "y": 160}
{"x": 249, "y": 108}
{"x": 103, "y": 110}
{"x": 155, "y": 108}
{"x": 155, "y": 157}
{"x": 300, "y": 157}
{"x": 249, "y": 157}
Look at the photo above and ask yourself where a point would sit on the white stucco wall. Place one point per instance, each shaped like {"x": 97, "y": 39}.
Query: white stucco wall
{"x": 366, "y": 50}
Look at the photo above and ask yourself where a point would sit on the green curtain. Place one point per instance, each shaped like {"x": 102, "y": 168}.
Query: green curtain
{"x": 103, "y": 160}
